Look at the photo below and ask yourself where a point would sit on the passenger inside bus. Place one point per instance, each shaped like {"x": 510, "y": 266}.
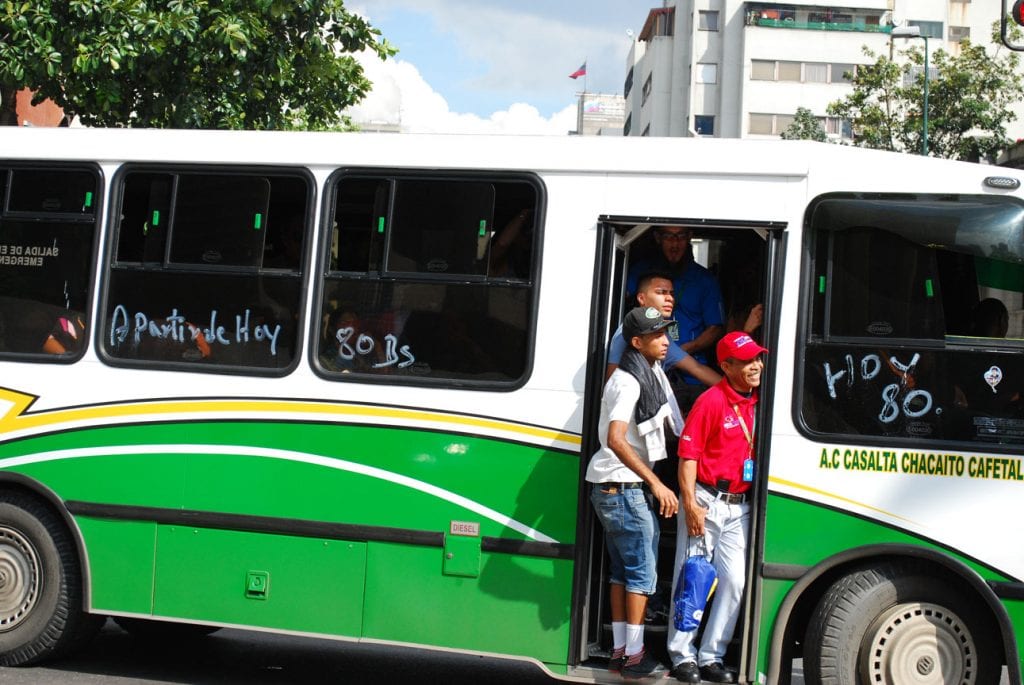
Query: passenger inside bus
{"x": 31, "y": 327}
{"x": 698, "y": 306}
{"x": 991, "y": 319}
{"x": 655, "y": 290}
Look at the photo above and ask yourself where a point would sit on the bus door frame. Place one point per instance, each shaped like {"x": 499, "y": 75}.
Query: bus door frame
{"x": 589, "y": 602}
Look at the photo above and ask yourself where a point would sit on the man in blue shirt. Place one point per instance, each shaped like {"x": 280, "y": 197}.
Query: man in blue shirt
{"x": 698, "y": 299}
{"x": 655, "y": 290}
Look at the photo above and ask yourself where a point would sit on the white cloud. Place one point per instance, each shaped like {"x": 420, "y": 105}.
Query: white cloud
{"x": 401, "y": 97}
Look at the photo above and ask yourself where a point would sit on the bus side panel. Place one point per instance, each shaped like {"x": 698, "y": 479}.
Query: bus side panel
{"x": 516, "y": 606}
{"x": 101, "y": 466}
{"x": 274, "y": 581}
{"x": 772, "y": 594}
{"x": 1015, "y": 608}
{"x": 380, "y": 476}
{"x": 792, "y": 523}
{"x": 120, "y": 555}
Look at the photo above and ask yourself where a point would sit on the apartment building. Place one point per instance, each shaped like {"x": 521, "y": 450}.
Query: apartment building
{"x": 599, "y": 114}
{"x": 738, "y": 69}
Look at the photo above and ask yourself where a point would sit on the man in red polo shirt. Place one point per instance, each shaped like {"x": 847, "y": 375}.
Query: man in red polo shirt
{"x": 716, "y": 472}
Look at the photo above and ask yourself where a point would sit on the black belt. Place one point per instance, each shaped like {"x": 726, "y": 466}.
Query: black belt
{"x": 622, "y": 486}
{"x": 727, "y": 497}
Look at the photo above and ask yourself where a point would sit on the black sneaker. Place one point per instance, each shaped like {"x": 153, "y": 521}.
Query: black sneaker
{"x": 642, "y": 665}
{"x": 717, "y": 673}
{"x": 617, "y": 659}
{"x": 686, "y": 672}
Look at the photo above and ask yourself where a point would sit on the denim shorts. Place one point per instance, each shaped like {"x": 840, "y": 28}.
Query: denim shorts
{"x": 631, "y": 535}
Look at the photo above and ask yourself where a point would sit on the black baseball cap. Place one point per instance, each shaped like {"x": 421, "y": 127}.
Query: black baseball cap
{"x": 644, "y": 320}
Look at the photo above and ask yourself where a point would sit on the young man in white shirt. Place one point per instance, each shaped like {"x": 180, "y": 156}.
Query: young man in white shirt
{"x": 626, "y": 493}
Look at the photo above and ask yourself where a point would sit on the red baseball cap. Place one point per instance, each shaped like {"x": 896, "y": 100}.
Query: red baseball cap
{"x": 738, "y": 345}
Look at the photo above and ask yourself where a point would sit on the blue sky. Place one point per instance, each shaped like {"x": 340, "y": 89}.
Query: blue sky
{"x": 496, "y": 65}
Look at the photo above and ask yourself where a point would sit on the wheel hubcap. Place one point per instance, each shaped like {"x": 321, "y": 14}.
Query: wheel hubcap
{"x": 919, "y": 642}
{"x": 20, "y": 578}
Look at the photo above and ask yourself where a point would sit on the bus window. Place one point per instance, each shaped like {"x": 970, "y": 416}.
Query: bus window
{"x": 429, "y": 280}
{"x": 441, "y": 229}
{"x": 194, "y": 279}
{"x": 219, "y": 220}
{"x": 898, "y": 289}
{"x": 47, "y": 234}
{"x": 53, "y": 191}
{"x": 359, "y": 220}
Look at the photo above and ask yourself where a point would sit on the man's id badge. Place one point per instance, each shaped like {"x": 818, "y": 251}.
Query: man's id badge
{"x": 748, "y": 470}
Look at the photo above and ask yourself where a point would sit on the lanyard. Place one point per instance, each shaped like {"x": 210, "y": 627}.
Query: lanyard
{"x": 743, "y": 425}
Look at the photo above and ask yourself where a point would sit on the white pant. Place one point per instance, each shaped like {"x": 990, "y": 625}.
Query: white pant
{"x": 726, "y": 530}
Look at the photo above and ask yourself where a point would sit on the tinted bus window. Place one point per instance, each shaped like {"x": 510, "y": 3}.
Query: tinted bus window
{"x": 430, "y": 280}
{"x": 206, "y": 270}
{"x": 47, "y": 236}
{"x": 911, "y": 334}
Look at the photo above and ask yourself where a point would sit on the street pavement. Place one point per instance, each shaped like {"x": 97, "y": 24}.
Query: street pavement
{"x": 236, "y": 657}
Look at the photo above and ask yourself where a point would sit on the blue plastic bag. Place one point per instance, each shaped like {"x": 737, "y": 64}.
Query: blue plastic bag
{"x": 697, "y": 582}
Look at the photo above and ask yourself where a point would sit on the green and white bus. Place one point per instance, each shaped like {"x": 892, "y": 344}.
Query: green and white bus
{"x": 346, "y": 386}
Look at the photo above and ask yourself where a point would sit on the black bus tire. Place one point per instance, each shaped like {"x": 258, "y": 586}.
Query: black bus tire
{"x": 894, "y": 624}
{"x": 41, "y": 612}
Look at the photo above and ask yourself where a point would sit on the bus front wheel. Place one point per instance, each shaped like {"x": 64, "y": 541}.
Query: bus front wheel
{"x": 40, "y": 583}
{"x": 894, "y": 624}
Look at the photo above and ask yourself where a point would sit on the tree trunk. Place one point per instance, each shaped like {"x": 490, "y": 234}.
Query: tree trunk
{"x": 8, "y": 104}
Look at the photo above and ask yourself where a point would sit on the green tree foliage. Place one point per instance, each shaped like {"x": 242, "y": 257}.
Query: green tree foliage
{"x": 236, "y": 64}
{"x": 805, "y": 126}
{"x": 969, "y": 101}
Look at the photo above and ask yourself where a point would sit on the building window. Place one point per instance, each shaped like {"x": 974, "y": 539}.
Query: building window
{"x": 646, "y": 132}
{"x": 628, "y": 85}
{"x": 762, "y": 124}
{"x": 836, "y": 126}
{"x": 704, "y": 124}
{"x": 707, "y": 73}
{"x": 842, "y": 73}
{"x": 815, "y": 72}
{"x": 931, "y": 29}
{"x": 959, "y": 33}
{"x": 806, "y": 72}
{"x": 708, "y": 20}
{"x": 646, "y": 91}
{"x": 789, "y": 71}
{"x": 774, "y": 124}
{"x": 628, "y": 125}
{"x": 762, "y": 70}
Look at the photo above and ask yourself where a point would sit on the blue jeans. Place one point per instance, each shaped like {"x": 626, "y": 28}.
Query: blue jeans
{"x": 630, "y": 533}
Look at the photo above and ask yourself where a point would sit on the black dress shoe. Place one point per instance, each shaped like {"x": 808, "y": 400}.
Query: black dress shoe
{"x": 717, "y": 673}
{"x": 686, "y": 672}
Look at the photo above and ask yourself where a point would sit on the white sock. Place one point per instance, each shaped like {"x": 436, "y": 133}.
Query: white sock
{"x": 618, "y": 634}
{"x": 634, "y": 639}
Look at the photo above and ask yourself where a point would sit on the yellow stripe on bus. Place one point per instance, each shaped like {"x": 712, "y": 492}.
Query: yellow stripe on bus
{"x": 16, "y": 418}
{"x": 833, "y": 496}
